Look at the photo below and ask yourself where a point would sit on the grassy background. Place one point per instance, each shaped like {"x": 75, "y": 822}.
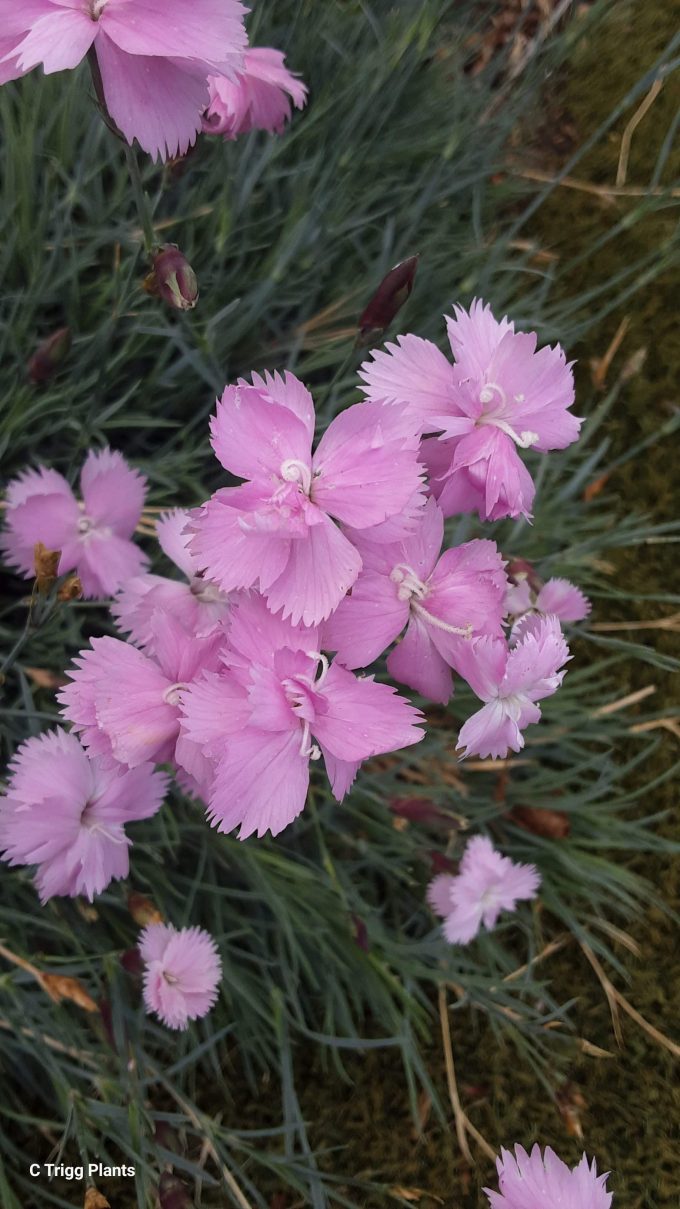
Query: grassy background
{"x": 398, "y": 152}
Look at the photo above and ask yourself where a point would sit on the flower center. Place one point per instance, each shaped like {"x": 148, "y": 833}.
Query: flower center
{"x": 172, "y": 695}
{"x": 412, "y": 589}
{"x": 206, "y": 591}
{"x": 295, "y": 689}
{"x": 495, "y": 403}
{"x": 97, "y": 8}
{"x": 85, "y": 525}
{"x": 294, "y": 471}
{"x": 170, "y": 978}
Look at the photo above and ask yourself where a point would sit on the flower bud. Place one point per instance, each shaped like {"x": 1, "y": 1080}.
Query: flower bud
{"x": 46, "y": 563}
{"x": 173, "y": 279}
{"x": 143, "y": 910}
{"x": 49, "y": 355}
{"x": 172, "y": 1193}
{"x": 388, "y": 300}
{"x": 71, "y": 589}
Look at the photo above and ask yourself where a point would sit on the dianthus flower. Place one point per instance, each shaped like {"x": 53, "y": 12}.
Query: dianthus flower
{"x": 486, "y": 884}
{"x": 125, "y": 702}
{"x": 501, "y": 395}
{"x": 257, "y": 98}
{"x": 278, "y": 704}
{"x": 195, "y": 602}
{"x": 94, "y": 535}
{"x": 154, "y": 57}
{"x": 510, "y": 680}
{"x": 557, "y": 596}
{"x": 543, "y": 1181}
{"x": 277, "y": 531}
{"x": 66, "y": 813}
{"x": 182, "y": 975}
{"x": 443, "y": 602}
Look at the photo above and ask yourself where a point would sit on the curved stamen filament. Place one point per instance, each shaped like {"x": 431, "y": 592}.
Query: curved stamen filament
{"x": 171, "y": 696}
{"x": 409, "y": 583}
{"x": 295, "y": 471}
{"x": 308, "y": 749}
{"x": 492, "y": 390}
{"x": 524, "y": 440}
{"x": 461, "y": 631}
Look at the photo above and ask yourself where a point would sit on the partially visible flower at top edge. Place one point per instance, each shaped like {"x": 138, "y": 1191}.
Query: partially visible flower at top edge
{"x": 65, "y": 813}
{"x": 258, "y": 97}
{"x": 182, "y": 974}
{"x": 94, "y": 535}
{"x": 172, "y": 279}
{"x": 543, "y": 1181}
{"x": 501, "y": 395}
{"x": 154, "y": 60}
{"x": 486, "y": 884}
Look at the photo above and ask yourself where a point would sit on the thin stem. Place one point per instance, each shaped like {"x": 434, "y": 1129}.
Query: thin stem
{"x": 141, "y": 200}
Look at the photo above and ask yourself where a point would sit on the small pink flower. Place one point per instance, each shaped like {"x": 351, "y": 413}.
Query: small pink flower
{"x": 94, "y": 536}
{"x": 501, "y": 395}
{"x": 441, "y": 601}
{"x": 125, "y": 703}
{"x": 277, "y": 705}
{"x": 195, "y": 602}
{"x": 279, "y": 531}
{"x": 182, "y": 975}
{"x": 543, "y": 1181}
{"x": 256, "y": 99}
{"x": 510, "y": 680}
{"x": 486, "y": 884}
{"x": 557, "y": 596}
{"x": 154, "y": 57}
{"x": 66, "y": 813}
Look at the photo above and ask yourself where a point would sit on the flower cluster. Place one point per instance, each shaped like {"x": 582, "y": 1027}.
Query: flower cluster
{"x": 163, "y": 70}
{"x": 249, "y": 665}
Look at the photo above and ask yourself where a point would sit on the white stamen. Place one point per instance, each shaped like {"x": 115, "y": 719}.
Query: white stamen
{"x": 171, "y": 696}
{"x": 97, "y": 8}
{"x": 409, "y": 583}
{"x": 463, "y": 632}
{"x": 308, "y": 749}
{"x": 491, "y": 390}
{"x": 294, "y": 471}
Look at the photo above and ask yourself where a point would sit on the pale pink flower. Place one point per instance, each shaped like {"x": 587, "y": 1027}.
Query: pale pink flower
{"x": 182, "y": 975}
{"x": 277, "y": 705}
{"x": 501, "y": 395}
{"x": 510, "y": 680}
{"x": 558, "y": 597}
{"x": 257, "y": 98}
{"x": 199, "y": 605}
{"x": 154, "y": 57}
{"x": 441, "y": 601}
{"x": 486, "y": 884}
{"x": 125, "y": 702}
{"x": 94, "y": 535}
{"x": 277, "y": 531}
{"x": 543, "y": 1181}
{"x": 66, "y": 813}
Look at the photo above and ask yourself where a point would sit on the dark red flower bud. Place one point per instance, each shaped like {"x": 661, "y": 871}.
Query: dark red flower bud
{"x": 519, "y": 569}
{"x": 173, "y": 279}
{"x": 420, "y": 810}
{"x": 360, "y": 933}
{"x": 551, "y": 824}
{"x": 388, "y": 300}
{"x": 442, "y": 864}
{"x": 172, "y": 1193}
{"x": 49, "y": 355}
{"x": 131, "y": 961}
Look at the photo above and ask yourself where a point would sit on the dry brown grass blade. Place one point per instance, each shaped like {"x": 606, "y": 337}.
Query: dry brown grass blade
{"x": 463, "y": 1123}
{"x": 600, "y": 365}
{"x": 627, "y": 136}
{"x": 57, "y": 986}
{"x": 617, "y": 1000}
{"x": 553, "y": 946}
{"x": 57, "y": 1046}
{"x": 672, "y": 623}
{"x": 672, "y": 725}
{"x": 605, "y": 192}
{"x": 612, "y": 707}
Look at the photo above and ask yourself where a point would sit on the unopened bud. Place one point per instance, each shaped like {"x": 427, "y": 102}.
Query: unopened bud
{"x": 143, "y": 910}
{"x": 388, "y": 300}
{"x": 172, "y": 1193}
{"x": 46, "y": 563}
{"x": 518, "y": 570}
{"x": 71, "y": 589}
{"x": 132, "y": 962}
{"x": 173, "y": 279}
{"x": 49, "y": 355}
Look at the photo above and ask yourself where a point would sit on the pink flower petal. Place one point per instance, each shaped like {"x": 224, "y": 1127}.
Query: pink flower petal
{"x": 366, "y": 622}
{"x": 413, "y": 372}
{"x": 364, "y": 718}
{"x": 254, "y": 437}
{"x": 415, "y": 661}
{"x": 319, "y": 571}
{"x": 212, "y": 30}
{"x": 261, "y": 783}
{"x": 59, "y": 40}
{"x": 113, "y": 493}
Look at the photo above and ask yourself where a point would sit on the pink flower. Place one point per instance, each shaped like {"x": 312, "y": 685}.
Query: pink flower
{"x": 501, "y": 395}
{"x": 256, "y": 99}
{"x": 510, "y": 681}
{"x": 183, "y": 972}
{"x": 195, "y": 602}
{"x": 543, "y": 1181}
{"x": 125, "y": 703}
{"x": 277, "y": 531}
{"x": 66, "y": 813}
{"x": 442, "y": 602}
{"x": 154, "y": 57}
{"x": 277, "y": 705}
{"x": 486, "y": 884}
{"x": 558, "y": 597}
{"x": 94, "y": 536}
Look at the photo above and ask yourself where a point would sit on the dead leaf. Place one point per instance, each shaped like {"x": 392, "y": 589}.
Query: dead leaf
{"x": 551, "y": 824}
{"x": 59, "y": 987}
{"x": 46, "y": 563}
{"x": 143, "y": 910}
{"x": 95, "y": 1200}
